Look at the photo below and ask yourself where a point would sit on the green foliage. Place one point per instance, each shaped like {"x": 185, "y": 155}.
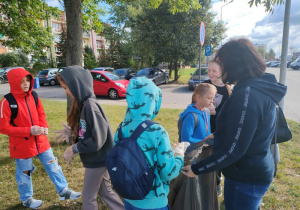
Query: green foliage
{"x": 160, "y": 35}
{"x": 12, "y": 59}
{"x": 268, "y": 4}
{"x": 271, "y": 54}
{"x": 119, "y": 53}
{"x": 89, "y": 58}
{"x": 21, "y": 24}
{"x": 62, "y": 49}
{"x": 37, "y": 66}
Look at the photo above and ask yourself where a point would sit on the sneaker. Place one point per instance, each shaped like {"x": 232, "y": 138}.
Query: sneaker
{"x": 219, "y": 190}
{"x": 67, "y": 193}
{"x": 33, "y": 203}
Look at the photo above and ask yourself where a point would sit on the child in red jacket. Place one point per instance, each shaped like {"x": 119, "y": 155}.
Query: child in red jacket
{"x": 28, "y": 138}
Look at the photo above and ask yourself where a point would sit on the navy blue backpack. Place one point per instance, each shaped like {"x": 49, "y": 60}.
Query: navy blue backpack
{"x": 126, "y": 164}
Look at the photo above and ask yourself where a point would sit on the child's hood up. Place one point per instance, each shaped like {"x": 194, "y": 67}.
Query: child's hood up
{"x": 79, "y": 81}
{"x": 15, "y": 77}
{"x": 143, "y": 99}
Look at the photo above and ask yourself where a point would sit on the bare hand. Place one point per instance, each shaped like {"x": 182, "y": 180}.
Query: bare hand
{"x": 68, "y": 154}
{"x": 187, "y": 170}
{"x": 212, "y": 109}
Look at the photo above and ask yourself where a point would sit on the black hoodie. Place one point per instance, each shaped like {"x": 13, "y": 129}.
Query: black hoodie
{"x": 245, "y": 127}
{"x": 94, "y": 135}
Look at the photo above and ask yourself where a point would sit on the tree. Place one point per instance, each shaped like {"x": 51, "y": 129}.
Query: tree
{"x": 271, "y": 54}
{"x": 62, "y": 49}
{"x": 159, "y": 35}
{"x": 268, "y": 4}
{"x": 21, "y": 25}
{"x": 89, "y": 58}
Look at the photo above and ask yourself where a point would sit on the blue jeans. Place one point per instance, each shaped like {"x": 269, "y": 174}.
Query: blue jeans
{"x": 52, "y": 168}
{"x": 238, "y": 195}
{"x": 128, "y": 206}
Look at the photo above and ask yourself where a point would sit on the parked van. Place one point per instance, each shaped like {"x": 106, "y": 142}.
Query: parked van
{"x": 296, "y": 64}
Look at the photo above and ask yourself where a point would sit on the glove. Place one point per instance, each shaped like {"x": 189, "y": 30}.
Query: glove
{"x": 69, "y": 154}
{"x": 180, "y": 148}
{"x": 63, "y": 134}
{"x": 45, "y": 131}
{"x": 36, "y": 130}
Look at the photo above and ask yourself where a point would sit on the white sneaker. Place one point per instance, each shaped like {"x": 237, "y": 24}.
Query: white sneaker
{"x": 33, "y": 203}
{"x": 67, "y": 193}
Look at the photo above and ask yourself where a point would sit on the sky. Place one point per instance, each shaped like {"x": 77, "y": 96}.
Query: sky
{"x": 260, "y": 27}
{"x": 254, "y": 23}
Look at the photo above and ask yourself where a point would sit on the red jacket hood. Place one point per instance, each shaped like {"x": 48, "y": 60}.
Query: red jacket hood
{"x": 15, "y": 77}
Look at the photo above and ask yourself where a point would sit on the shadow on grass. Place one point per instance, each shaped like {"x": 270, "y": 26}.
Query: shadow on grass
{"x": 6, "y": 161}
{"x": 52, "y": 207}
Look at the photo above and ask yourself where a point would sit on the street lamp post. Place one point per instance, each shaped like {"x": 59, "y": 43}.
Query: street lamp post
{"x": 221, "y": 15}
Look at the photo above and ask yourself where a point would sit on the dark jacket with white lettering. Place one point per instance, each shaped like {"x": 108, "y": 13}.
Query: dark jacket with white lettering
{"x": 245, "y": 127}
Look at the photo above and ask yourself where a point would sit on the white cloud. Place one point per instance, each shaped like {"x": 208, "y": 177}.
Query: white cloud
{"x": 260, "y": 27}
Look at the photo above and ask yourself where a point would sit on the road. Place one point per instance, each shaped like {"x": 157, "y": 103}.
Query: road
{"x": 178, "y": 96}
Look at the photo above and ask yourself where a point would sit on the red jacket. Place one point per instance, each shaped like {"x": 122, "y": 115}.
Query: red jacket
{"x": 22, "y": 144}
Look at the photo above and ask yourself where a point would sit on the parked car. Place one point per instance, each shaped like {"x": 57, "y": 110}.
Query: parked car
{"x": 288, "y": 63}
{"x": 1, "y": 74}
{"x": 158, "y": 76}
{"x": 60, "y": 69}
{"x": 48, "y": 76}
{"x": 5, "y": 71}
{"x": 110, "y": 69}
{"x": 194, "y": 80}
{"x": 125, "y": 73}
{"x": 296, "y": 64}
{"x": 109, "y": 84}
{"x": 269, "y": 63}
{"x": 275, "y": 64}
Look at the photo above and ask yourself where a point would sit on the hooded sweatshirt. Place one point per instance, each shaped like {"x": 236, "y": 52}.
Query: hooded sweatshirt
{"x": 188, "y": 133}
{"x": 22, "y": 144}
{"x": 95, "y": 138}
{"x": 245, "y": 127}
{"x": 144, "y": 101}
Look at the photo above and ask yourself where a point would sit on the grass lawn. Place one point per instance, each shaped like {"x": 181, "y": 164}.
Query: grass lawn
{"x": 284, "y": 192}
{"x": 185, "y": 75}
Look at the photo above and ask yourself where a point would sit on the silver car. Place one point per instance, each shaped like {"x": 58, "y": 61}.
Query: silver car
{"x": 194, "y": 80}
{"x": 48, "y": 76}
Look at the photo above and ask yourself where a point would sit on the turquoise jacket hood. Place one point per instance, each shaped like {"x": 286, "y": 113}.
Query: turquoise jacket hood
{"x": 143, "y": 99}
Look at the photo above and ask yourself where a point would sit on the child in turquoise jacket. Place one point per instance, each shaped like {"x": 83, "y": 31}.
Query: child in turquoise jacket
{"x": 144, "y": 101}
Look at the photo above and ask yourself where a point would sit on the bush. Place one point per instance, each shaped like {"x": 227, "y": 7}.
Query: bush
{"x": 12, "y": 59}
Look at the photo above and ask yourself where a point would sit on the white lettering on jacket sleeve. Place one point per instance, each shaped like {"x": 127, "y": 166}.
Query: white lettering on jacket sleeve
{"x": 236, "y": 137}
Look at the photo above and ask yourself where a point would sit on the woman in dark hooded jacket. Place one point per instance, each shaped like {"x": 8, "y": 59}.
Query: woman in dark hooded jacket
{"x": 244, "y": 128}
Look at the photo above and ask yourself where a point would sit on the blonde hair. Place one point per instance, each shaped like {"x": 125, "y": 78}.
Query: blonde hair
{"x": 202, "y": 89}
{"x": 74, "y": 114}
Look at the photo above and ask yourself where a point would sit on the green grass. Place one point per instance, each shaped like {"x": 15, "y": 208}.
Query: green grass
{"x": 284, "y": 192}
{"x": 185, "y": 75}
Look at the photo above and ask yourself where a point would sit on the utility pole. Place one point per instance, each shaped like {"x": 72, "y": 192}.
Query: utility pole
{"x": 285, "y": 43}
{"x": 221, "y": 16}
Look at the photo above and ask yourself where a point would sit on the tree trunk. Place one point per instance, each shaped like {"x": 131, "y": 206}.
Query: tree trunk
{"x": 170, "y": 66}
{"x": 176, "y": 71}
{"x": 74, "y": 51}
{"x": 74, "y": 32}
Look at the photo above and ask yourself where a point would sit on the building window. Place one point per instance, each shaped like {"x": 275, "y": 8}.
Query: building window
{"x": 56, "y": 38}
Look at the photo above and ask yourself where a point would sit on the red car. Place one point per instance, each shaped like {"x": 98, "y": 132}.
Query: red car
{"x": 109, "y": 84}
